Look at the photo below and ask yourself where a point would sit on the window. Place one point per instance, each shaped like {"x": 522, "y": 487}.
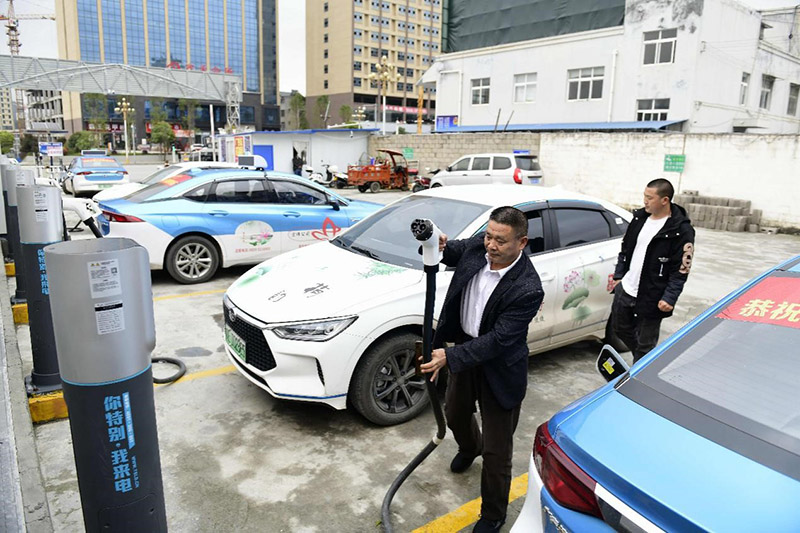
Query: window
{"x": 325, "y": 54}
{"x": 358, "y": 34}
{"x": 401, "y": 86}
{"x": 655, "y": 109}
{"x": 535, "y": 232}
{"x": 501, "y": 163}
{"x": 325, "y": 7}
{"x": 581, "y": 226}
{"x": 375, "y": 52}
{"x": 325, "y": 23}
{"x": 401, "y": 56}
{"x": 325, "y": 38}
{"x": 239, "y": 191}
{"x": 480, "y": 91}
{"x": 586, "y": 83}
{"x": 356, "y": 82}
{"x": 659, "y": 46}
{"x": 356, "y": 65}
{"x": 199, "y": 194}
{"x": 767, "y": 83}
{"x": 743, "y": 88}
{"x": 325, "y": 84}
{"x": 358, "y": 50}
{"x": 525, "y": 88}
{"x": 462, "y": 164}
{"x": 794, "y": 93}
{"x": 324, "y": 69}
{"x": 358, "y": 2}
{"x": 289, "y": 192}
{"x": 358, "y": 17}
{"x": 480, "y": 163}
{"x": 410, "y": 87}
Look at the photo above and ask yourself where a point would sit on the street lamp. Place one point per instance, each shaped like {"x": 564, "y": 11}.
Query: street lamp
{"x": 359, "y": 115}
{"x": 124, "y": 107}
{"x": 384, "y": 75}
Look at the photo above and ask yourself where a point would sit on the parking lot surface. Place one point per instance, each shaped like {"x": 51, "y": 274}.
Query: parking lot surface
{"x": 235, "y": 459}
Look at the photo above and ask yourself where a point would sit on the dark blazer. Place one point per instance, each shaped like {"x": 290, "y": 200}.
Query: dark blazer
{"x": 501, "y": 349}
{"x": 667, "y": 261}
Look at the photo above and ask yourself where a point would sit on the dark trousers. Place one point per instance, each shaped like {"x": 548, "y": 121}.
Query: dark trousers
{"x": 496, "y": 445}
{"x": 639, "y": 334}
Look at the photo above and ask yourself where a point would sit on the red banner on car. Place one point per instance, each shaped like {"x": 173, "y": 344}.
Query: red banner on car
{"x": 772, "y": 301}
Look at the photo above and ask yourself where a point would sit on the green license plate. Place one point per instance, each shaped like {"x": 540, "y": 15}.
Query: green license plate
{"x": 104, "y": 186}
{"x": 235, "y": 343}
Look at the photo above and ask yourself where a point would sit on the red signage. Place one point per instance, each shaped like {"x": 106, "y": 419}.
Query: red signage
{"x": 772, "y": 301}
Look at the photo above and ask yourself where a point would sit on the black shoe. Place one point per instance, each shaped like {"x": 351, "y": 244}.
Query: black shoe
{"x": 461, "y": 462}
{"x": 485, "y": 525}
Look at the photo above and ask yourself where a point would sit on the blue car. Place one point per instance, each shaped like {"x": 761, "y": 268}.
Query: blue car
{"x": 702, "y": 434}
{"x": 193, "y": 223}
{"x": 87, "y": 175}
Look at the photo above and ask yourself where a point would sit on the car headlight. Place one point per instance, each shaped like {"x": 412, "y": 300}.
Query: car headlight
{"x": 320, "y": 331}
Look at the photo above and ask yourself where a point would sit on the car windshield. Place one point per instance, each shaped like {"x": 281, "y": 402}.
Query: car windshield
{"x": 527, "y": 163}
{"x": 151, "y": 190}
{"x": 741, "y": 366}
{"x": 386, "y": 235}
{"x": 100, "y": 162}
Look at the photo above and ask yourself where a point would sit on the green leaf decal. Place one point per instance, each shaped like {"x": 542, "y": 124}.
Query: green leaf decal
{"x": 575, "y": 299}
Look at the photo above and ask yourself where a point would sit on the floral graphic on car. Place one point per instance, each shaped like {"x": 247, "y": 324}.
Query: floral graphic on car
{"x": 577, "y": 284}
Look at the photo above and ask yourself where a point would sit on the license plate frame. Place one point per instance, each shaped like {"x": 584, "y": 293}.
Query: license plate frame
{"x": 104, "y": 185}
{"x": 235, "y": 343}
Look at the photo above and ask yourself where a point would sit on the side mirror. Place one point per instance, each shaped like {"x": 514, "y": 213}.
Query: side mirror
{"x": 610, "y": 364}
{"x": 448, "y": 168}
{"x": 334, "y": 203}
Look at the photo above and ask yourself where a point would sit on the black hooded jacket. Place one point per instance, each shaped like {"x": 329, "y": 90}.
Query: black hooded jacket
{"x": 666, "y": 263}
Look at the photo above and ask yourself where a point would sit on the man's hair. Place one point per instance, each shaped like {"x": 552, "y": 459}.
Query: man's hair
{"x": 511, "y": 216}
{"x": 663, "y": 188}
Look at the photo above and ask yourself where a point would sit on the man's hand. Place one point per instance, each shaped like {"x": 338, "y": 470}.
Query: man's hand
{"x": 614, "y": 284}
{"x": 442, "y": 241}
{"x": 438, "y": 360}
{"x": 664, "y": 306}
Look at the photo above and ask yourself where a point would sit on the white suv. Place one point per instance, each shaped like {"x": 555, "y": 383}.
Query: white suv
{"x": 520, "y": 169}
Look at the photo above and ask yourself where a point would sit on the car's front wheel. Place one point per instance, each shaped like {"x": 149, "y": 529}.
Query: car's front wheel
{"x": 192, "y": 259}
{"x": 384, "y": 388}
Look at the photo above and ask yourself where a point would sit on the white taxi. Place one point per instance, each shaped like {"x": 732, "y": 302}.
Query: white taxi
{"x": 336, "y": 322}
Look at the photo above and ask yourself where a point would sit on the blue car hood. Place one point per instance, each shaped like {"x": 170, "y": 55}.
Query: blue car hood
{"x": 677, "y": 479}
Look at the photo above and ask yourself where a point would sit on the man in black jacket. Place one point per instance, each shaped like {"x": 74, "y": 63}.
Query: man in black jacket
{"x": 494, "y": 295}
{"x": 652, "y": 268}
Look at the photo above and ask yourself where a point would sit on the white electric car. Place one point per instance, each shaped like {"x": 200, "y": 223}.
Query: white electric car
{"x": 190, "y": 167}
{"x": 336, "y": 322}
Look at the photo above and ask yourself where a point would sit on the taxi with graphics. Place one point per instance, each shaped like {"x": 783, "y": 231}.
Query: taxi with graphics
{"x": 194, "y": 223}
{"x": 337, "y": 322}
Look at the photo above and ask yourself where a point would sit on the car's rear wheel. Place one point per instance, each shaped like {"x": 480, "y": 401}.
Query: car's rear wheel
{"x": 192, "y": 259}
{"x": 612, "y": 339}
{"x": 384, "y": 388}
{"x": 374, "y": 186}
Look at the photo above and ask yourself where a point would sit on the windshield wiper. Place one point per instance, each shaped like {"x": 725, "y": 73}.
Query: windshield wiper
{"x": 364, "y": 251}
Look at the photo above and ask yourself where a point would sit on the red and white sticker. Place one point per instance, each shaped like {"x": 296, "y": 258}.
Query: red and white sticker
{"x": 772, "y": 301}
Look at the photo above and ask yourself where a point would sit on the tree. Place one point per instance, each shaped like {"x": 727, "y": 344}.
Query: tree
{"x": 322, "y": 107}
{"x": 96, "y": 106}
{"x": 6, "y": 141}
{"x": 297, "y": 106}
{"x": 346, "y": 113}
{"x": 80, "y": 140}
{"x": 157, "y": 113}
{"x": 161, "y": 133}
{"x": 189, "y": 108}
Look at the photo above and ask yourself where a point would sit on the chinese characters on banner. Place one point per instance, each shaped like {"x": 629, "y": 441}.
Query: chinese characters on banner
{"x": 121, "y": 437}
{"x": 775, "y": 300}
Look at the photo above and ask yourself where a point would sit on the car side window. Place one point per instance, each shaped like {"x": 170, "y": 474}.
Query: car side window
{"x": 462, "y": 164}
{"x": 480, "y": 163}
{"x": 501, "y": 163}
{"x": 580, "y": 226}
{"x": 535, "y": 232}
{"x": 199, "y": 194}
{"x": 240, "y": 191}
{"x": 290, "y": 192}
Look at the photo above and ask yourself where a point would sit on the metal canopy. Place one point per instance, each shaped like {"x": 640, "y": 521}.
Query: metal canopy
{"x": 76, "y": 76}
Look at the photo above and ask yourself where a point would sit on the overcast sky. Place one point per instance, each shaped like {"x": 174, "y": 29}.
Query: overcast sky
{"x": 291, "y": 41}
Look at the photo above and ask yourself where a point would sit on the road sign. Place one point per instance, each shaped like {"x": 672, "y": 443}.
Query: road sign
{"x": 522, "y": 152}
{"x": 51, "y": 149}
{"x": 674, "y": 163}
{"x": 408, "y": 153}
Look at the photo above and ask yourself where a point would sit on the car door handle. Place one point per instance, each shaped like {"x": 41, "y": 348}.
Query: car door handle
{"x": 607, "y": 257}
{"x": 218, "y": 213}
{"x": 546, "y": 276}
{"x": 292, "y": 214}
{"x": 487, "y": 174}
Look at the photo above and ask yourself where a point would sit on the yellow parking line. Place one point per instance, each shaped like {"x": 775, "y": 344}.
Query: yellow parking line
{"x": 206, "y": 374}
{"x": 188, "y": 294}
{"x": 468, "y": 513}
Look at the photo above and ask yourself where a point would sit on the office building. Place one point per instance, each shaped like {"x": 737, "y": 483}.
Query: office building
{"x": 43, "y": 112}
{"x": 6, "y": 110}
{"x": 232, "y": 36}
{"x": 345, "y": 41}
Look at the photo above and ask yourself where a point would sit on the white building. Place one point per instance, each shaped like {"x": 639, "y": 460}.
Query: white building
{"x": 703, "y": 66}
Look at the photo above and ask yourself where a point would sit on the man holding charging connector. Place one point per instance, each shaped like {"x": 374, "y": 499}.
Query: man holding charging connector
{"x": 481, "y": 337}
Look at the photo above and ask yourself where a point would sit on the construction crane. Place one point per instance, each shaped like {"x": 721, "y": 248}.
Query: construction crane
{"x": 12, "y": 30}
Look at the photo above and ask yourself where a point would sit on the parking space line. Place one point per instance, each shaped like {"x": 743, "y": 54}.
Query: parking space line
{"x": 207, "y": 373}
{"x": 188, "y": 294}
{"x": 468, "y": 513}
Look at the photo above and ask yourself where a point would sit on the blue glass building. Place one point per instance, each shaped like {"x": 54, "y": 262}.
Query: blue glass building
{"x": 233, "y": 36}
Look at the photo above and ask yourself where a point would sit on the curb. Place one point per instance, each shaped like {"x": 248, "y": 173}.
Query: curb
{"x": 47, "y": 407}
{"x": 34, "y": 498}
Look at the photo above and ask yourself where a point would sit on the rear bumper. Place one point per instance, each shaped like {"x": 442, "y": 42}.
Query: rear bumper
{"x": 84, "y": 185}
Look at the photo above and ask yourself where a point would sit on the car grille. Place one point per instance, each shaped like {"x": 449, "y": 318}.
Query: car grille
{"x": 257, "y": 352}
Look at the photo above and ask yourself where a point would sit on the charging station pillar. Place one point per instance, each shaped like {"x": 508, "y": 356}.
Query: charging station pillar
{"x": 12, "y": 230}
{"x": 3, "y": 228}
{"x": 102, "y": 306}
{"x": 16, "y": 177}
{"x": 40, "y": 216}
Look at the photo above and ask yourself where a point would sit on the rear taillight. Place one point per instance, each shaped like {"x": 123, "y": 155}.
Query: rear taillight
{"x": 83, "y": 173}
{"x": 518, "y": 176}
{"x": 565, "y": 481}
{"x": 118, "y": 217}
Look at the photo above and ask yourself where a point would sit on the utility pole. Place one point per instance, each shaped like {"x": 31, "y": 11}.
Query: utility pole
{"x": 384, "y": 75}
{"x": 124, "y": 107}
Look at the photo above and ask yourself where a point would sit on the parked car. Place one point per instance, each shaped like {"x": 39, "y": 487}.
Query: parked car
{"x": 702, "y": 434}
{"x": 336, "y": 322}
{"x": 193, "y": 223}
{"x": 91, "y": 174}
{"x": 161, "y": 174}
{"x": 519, "y": 169}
